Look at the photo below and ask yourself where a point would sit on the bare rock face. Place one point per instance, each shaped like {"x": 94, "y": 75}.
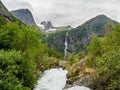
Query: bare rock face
{"x": 47, "y": 25}
{"x": 25, "y": 16}
{"x": 5, "y": 13}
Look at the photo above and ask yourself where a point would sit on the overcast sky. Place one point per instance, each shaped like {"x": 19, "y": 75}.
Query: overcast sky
{"x": 67, "y": 12}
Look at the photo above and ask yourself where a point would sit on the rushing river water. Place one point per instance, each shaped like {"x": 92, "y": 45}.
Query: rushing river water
{"x": 55, "y": 79}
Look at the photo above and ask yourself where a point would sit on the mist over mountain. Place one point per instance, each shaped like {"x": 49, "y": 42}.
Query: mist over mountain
{"x": 47, "y": 26}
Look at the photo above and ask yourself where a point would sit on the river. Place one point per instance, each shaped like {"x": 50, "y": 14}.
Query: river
{"x": 55, "y": 79}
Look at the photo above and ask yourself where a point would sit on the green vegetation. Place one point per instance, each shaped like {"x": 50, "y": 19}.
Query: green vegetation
{"x": 95, "y": 47}
{"x": 104, "y": 56}
{"x": 73, "y": 58}
{"x": 99, "y": 68}
{"x": 16, "y": 72}
{"x": 2, "y": 21}
{"x": 23, "y": 57}
{"x": 55, "y": 40}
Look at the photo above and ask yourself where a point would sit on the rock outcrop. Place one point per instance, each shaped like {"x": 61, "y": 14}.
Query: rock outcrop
{"x": 25, "y": 16}
{"x": 5, "y": 13}
{"x": 81, "y": 75}
{"x": 47, "y": 25}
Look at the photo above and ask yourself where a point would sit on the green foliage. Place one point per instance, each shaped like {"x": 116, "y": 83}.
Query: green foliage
{"x": 107, "y": 28}
{"x": 53, "y": 53}
{"x": 18, "y": 37}
{"x": 73, "y": 58}
{"x": 116, "y": 36}
{"x": 114, "y": 84}
{"x": 55, "y": 41}
{"x": 11, "y": 71}
{"x": 3, "y": 21}
{"x": 104, "y": 56}
{"x": 95, "y": 47}
{"x": 7, "y": 35}
{"x": 22, "y": 55}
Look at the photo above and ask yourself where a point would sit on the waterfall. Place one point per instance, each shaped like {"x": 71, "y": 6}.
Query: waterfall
{"x": 66, "y": 45}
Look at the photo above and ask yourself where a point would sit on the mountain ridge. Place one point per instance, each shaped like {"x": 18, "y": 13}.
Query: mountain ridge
{"x": 79, "y": 37}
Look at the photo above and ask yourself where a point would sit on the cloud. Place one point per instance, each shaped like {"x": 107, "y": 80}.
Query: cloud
{"x": 67, "y": 12}
{"x": 16, "y": 4}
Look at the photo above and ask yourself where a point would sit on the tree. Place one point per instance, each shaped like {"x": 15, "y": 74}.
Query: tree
{"x": 107, "y": 28}
{"x": 12, "y": 71}
{"x": 116, "y": 36}
{"x": 95, "y": 46}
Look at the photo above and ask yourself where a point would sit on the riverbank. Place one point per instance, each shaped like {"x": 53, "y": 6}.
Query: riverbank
{"x": 81, "y": 75}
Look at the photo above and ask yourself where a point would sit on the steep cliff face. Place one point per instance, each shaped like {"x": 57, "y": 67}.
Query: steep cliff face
{"x": 25, "y": 16}
{"x": 47, "y": 25}
{"x": 5, "y": 13}
{"x": 78, "y": 38}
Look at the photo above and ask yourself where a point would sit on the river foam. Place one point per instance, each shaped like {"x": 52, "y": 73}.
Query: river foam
{"x": 55, "y": 79}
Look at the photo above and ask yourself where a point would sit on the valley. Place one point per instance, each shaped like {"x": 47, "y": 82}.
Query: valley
{"x": 48, "y": 57}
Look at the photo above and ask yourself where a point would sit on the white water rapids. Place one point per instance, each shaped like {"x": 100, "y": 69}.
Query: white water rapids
{"x": 55, "y": 79}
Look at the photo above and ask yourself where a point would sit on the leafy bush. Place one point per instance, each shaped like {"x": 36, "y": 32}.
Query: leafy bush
{"x": 22, "y": 54}
{"x": 3, "y": 21}
{"x": 104, "y": 56}
{"x": 12, "y": 71}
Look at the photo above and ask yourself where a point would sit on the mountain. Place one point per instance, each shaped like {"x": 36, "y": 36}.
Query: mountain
{"x": 5, "y": 13}
{"x": 25, "y": 16}
{"x": 79, "y": 37}
{"x": 46, "y": 25}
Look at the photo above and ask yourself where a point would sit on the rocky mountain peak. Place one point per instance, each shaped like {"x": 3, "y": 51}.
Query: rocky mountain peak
{"x": 47, "y": 25}
{"x": 100, "y": 19}
{"x": 101, "y": 16}
{"x": 25, "y": 16}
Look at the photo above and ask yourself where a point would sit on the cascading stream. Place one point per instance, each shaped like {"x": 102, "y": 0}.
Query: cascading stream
{"x": 55, "y": 79}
